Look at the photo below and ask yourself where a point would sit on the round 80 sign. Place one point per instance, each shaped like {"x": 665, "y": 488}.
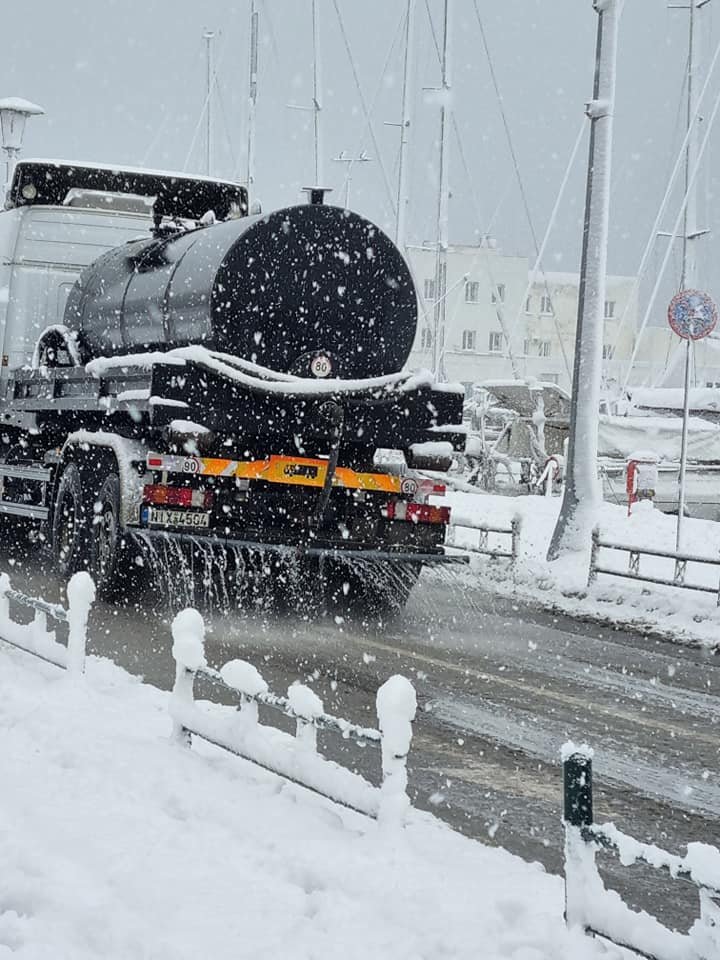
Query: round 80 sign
{"x": 692, "y": 314}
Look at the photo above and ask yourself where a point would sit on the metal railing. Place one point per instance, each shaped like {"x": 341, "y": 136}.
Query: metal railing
{"x": 633, "y": 572}
{"x": 35, "y": 638}
{"x": 512, "y": 530}
{"x": 585, "y": 894}
{"x": 297, "y": 759}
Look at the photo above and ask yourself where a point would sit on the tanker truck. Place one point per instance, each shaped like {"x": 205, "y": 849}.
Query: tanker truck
{"x": 178, "y": 371}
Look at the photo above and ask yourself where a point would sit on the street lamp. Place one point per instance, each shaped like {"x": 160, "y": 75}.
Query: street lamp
{"x": 13, "y": 117}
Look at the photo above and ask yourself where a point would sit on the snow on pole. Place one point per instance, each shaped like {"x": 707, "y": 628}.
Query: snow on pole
{"x": 582, "y": 486}
{"x": 81, "y": 595}
{"x": 307, "y": 707}
{"x": 396, "y": 705}
{"x": 247, "y": 680}
{"x": 188, "y": 650}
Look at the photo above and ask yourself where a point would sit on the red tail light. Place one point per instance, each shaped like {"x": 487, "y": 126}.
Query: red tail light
{"x": 416, "y": 512}
{"x": 160, "y": 493}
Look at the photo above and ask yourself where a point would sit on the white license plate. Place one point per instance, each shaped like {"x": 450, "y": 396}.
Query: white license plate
{"x": 178, "y": 518}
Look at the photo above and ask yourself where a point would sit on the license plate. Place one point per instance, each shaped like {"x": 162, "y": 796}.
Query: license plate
{"x": 178, "y": 518}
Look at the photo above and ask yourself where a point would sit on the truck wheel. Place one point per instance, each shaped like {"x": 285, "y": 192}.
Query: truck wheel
{"x": 69, "y": 526}
{"x": 374, "y": 589}
{"x": 106, "y": 546}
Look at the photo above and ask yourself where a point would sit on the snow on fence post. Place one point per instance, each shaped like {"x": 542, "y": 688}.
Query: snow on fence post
{"x": 188, "y": 633}
{"x": 594, "y": 553}
{"x": 81, "y": 595}
{"x": 396, "y": 705}
{"x": 577, "y": 815}
{"x": 307, "y": 707}
{"x": 246, "y": 679}
{"x": 4, "y": 599}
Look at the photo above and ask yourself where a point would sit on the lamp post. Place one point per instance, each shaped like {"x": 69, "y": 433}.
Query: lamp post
{"x": 13, "y": 117}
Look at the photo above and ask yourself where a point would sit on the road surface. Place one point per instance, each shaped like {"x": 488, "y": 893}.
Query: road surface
{"x": 501, "y": 687}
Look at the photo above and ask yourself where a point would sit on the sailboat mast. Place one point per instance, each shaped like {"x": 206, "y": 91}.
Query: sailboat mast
{"x": 317, "y": 107}
{"x": 403, "y": 198}
{"x": 442, "y": 207}
{"x": 252, "y": 100}
{"x": 208, "y": 37}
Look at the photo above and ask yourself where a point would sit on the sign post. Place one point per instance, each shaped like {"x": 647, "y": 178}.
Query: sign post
{"x": 692, "y": 314}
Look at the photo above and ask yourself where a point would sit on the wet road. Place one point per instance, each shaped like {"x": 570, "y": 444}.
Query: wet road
{"x": 501, "y": 686}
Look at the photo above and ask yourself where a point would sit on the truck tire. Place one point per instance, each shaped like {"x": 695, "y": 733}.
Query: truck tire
{"x": 105, "y": 540}
{"x": 372, "y": 589}
{"x": 70, "y": 524}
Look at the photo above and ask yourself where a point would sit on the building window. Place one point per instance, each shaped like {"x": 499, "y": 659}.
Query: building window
{"x": 550, "y": 377}
{"x": 472, "y": 291}
{"x": 608, "y": 351}
{"x": 546, "y": 305}
{"x": 528, "y": 305}
{"x": 425, "y": 338}
{"x": 429, "y": 291}
{"x": 469, "y": 340}
{"x": 537, "y": 348}
{"x": 498, "y": 294}
{"x": 609, "y": 309}
{"x": 495, "y": 343}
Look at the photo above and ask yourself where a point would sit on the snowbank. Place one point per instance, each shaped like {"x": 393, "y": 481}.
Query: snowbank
{"x": 118, "y": 844}
{"x": 680, "y": 614}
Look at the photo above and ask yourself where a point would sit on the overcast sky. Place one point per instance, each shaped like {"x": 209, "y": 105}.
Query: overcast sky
{"x": 124, "y": 81}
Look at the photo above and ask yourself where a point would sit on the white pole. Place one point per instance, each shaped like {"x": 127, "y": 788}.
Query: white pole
{"x": 403, "y": 198}
{"x": 252, "y": 100}
{"x": 208, "y": 37}
{"x": 683, "y": 446}
{"x": 582, "y": 487}
{"x": 317, "y": 106}
{"x": 691, "y": 233}
{"x": 442, "y": 208}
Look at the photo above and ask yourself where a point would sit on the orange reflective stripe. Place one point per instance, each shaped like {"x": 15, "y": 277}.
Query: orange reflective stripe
{"x": 301, "y": 471}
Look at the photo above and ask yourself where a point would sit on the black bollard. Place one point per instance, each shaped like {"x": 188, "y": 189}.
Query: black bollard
{"x": 577, "y": 785}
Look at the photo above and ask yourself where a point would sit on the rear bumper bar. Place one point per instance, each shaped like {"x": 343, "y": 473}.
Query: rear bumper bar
{"x": 338, "y": 553}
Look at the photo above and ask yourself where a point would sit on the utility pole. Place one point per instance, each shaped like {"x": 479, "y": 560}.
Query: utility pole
{"x": 350, "y": 161}
{"x": 582, "y": 487}
{"x": 442, "y": 207}
{"x": 208, "y": 37}
{"x": 252, "y": 101}
{"x": 403, "y": 197}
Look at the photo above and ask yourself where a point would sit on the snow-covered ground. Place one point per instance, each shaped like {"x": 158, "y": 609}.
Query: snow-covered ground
{"x": 116, "y": 842}
{"x": 684, "y": 614}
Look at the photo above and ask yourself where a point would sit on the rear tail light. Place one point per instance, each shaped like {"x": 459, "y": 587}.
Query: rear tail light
{"x": 416, "y": 512}
{"x": 162, "y": 494}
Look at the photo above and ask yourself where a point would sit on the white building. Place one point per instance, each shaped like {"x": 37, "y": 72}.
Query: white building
{"x": 499, "y": 325}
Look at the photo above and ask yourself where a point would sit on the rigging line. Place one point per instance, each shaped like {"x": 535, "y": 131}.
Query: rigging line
{"x": 368, "y": 119}
{"x": 690, "y": 185}
{"x": 362, "y": 142}
{"x": 656, "y": 225}
{"x": 541, "y": 252}
{"x": 511, "y": 146}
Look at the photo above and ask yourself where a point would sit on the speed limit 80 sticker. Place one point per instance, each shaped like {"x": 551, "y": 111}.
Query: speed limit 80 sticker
{"x": 321, "y": 366}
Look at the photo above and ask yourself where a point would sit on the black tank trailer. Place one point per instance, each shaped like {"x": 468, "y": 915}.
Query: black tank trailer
{"x": 240, "y": 384}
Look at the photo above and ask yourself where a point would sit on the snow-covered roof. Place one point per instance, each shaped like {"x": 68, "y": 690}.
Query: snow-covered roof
{"x": 672, "y": 398}
{"x": 124, "y": 168}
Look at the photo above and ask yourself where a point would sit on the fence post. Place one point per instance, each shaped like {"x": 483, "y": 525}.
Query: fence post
{"x": 706, "y": 933}
{"x": 515, "y": 526}
{"x": 81, "y": 595}
{"x": 577, "y": 814}
{"x": 396, "y": 705}
{"x": 246, "y": 679}
{"x": 307, "y": 707}
{"x": 594, "y": 552}
{"x": 188, "y": 633}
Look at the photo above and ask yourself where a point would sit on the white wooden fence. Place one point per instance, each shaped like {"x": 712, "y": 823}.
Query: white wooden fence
{"x": 35, "y": 638}
{"x": 296, "y": 758}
